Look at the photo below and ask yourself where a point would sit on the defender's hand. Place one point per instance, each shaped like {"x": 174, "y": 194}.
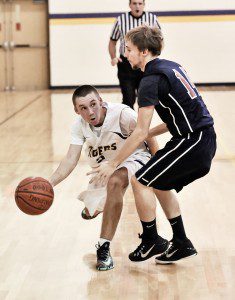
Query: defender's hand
{"x": 103, "y": 172}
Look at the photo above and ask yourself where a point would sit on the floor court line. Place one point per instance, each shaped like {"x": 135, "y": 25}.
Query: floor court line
{"x": 18, "y": 111}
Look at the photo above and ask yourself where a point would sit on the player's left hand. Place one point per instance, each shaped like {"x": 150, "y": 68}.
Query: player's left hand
{"x": 103, "y": 172}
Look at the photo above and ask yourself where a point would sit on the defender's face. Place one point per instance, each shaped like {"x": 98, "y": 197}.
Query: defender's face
{"x": 137, "y": 7}
{"x": 133, "y": 55}
{"x": 90, "y": 108}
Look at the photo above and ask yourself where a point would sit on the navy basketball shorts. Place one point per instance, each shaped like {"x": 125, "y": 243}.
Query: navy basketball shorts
{"x": 181, "y": 161}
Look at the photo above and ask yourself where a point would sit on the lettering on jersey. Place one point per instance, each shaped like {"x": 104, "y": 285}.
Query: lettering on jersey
{"x": 114, "y": 146}
{"x": 100, "y": 150}
{"x": 186, "y": 83}
{"x": 186, "y": 75}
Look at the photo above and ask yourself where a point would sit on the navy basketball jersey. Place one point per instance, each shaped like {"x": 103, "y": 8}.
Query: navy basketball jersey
{"x": 182, "y": 109}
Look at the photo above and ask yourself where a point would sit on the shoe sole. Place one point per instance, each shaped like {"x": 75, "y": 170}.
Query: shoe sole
{"x": 160, "y": 262}
{"x": 105, "y": 268}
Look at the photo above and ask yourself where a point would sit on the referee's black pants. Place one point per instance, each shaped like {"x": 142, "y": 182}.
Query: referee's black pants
{"x": 129, "y": 80}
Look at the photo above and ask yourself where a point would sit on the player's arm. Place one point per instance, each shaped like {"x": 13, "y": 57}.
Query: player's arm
{"x": 67, "y": 165}
{"x": 112, "y": 52}
{"x": 151, "y": 140}
{"x": 132, "y": 142}
{"x": 112, "y": 48}
{"x": 115, "y": 35}
{"x": 139, "y": 135}
{"x": 157, "y": 130}
{"x": 152, "y": 145}
{"x": 128, "y": 121}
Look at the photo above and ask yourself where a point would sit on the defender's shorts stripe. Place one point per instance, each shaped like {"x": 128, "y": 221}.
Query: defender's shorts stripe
{"x": 160, "y": 159}
{"x": 145, "y": 180}
{"x": 176, "y": 159}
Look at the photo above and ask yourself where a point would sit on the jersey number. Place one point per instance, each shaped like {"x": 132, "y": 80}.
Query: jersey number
{"x": 186, "y": 83}
{"x": 100, "y": 159}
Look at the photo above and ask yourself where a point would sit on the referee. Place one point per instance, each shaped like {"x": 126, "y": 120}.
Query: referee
{"x": 129, "y": 79}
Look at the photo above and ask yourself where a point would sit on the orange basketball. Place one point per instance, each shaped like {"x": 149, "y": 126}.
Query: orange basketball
{"x": 34, "y": 195}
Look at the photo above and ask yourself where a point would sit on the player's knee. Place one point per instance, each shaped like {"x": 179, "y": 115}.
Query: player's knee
{"x": 117, "y": 183}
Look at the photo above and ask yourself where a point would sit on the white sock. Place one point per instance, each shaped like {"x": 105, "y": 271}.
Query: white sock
{"x": 102, "y": 241}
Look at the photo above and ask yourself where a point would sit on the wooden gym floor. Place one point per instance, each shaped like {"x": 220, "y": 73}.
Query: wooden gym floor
{"x": 52, "y": 256}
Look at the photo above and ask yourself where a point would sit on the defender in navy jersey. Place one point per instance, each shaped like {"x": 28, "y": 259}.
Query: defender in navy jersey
{"x": 175, "y": 98}
{"x": 166, "y": 88}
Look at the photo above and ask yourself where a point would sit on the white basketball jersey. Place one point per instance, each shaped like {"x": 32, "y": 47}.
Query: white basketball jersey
{"x": 111, "y": 139}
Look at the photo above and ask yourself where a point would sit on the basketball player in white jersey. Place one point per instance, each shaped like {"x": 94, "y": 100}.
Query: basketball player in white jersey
{"x": 104, "y": 128}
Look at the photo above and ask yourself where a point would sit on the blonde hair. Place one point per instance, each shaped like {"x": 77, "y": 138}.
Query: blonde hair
{"x": 146, "y": 38}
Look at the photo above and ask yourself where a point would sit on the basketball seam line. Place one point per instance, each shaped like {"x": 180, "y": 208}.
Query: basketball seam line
{"x": 34, "y": 181}
{"x": 42, "y": 209}
{"x": 28, "y": 192}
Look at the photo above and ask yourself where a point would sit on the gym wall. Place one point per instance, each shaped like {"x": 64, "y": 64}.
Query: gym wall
{"x": 198, "y": 34}
{"x": 23, "y": 45}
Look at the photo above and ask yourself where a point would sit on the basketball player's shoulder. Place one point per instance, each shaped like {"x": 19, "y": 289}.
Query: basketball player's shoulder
{"x": 149, "y": 13}
{"x": 116, "y": 106}
{"x": 78, "y": 122}
{"x": 122, "y": 110}
{"x": 79, "y": 126}
{"x": 121, "y": 16}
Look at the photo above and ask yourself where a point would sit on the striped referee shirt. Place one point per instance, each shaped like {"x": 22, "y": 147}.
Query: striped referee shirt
{"x": 126, "y": 22}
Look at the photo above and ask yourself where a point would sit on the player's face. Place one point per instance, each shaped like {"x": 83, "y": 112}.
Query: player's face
{"x": 137, "y": 7}
{"x": 133, "y": 55}
{"x": 90, "y": 108}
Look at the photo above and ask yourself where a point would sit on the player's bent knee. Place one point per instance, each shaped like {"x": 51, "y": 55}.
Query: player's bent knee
{"x": 117, "y": 182}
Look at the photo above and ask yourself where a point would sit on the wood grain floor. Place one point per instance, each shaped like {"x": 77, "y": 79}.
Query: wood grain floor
{"x": 52, "y": 256}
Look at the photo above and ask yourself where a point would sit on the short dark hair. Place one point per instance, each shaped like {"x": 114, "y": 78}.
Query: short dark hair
{"x": 131, "y": 0}
{"x": 146, "y": 38}
{"x": 82, "y": 91}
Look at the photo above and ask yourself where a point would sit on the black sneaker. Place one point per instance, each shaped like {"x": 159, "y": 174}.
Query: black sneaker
{"x": 104, "y": 259}
{"x": 149, "y": 248}
{"x": 178, "y": 250}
